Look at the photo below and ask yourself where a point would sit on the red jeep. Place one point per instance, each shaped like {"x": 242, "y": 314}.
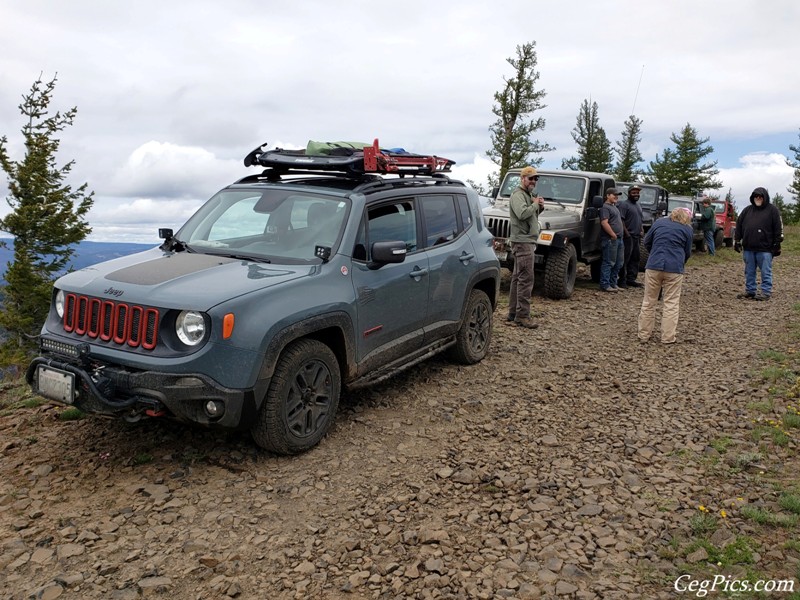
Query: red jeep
{"x": 725, "y": 214}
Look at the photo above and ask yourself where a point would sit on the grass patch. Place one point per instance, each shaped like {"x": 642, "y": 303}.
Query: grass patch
{"x": 778, "y": 437}
{"x": 142, "y": 458}
{"x": 746, "y": 459}
{"x": 776, "y": 374}
{"x": 764, "y": 407}
{"x": 703, "y": 523}
{"x": 792, "y": 545}
{"x": 791, "y": 420}
{"x": 721, "y": 444}
{"x": 775, "y": 355}
{"x": 790, "y": 502}
{"x": 763, "y": 516}
{"x": 71, "y": 414}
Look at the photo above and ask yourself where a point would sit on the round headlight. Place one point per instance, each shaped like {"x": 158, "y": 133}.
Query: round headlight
{"x": 190, "y": 327}
{"x": 60, "y": 304}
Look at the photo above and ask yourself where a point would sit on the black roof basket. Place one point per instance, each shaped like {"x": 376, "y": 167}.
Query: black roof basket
{"x": 350, "y": 162}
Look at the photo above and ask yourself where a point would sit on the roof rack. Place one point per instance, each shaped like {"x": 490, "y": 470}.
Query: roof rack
{"x": 349, "y": 162}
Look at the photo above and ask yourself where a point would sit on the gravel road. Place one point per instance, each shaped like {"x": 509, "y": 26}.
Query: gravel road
{"x": 568, "y": 464}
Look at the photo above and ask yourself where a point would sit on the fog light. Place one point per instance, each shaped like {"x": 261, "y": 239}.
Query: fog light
{"x": 214, "y": 409}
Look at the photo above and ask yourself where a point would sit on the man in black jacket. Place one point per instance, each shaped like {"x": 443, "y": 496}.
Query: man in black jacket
{"x": 759, "y": 232}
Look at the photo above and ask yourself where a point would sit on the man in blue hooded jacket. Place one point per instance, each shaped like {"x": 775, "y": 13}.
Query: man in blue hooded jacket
{"x": 759, "y": 232}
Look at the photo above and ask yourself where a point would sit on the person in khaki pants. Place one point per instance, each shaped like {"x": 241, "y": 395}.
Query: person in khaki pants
{"x": 669, "y": 242}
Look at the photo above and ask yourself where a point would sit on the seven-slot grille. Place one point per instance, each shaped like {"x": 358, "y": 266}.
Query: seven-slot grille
{"x": 115, "y": 322}
{"x": 500, "y": 227}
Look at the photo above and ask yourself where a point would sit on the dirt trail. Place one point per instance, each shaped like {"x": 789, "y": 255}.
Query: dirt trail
{"x": 564, "y": 465}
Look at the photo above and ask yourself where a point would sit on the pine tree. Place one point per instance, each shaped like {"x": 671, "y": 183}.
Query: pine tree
{"x": 511, "y": 133}
{"x": 785, "y": 209}
{"x": 794, "y": 189}
{"x": 594, "y": 149}
{"x": 793, "y": 208}
{"x": 681, "y": 170}
{"x": 627, "y": 150}
{"x": 47, "y": 219}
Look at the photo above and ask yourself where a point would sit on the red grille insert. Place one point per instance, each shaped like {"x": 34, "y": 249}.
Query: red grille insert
{"x": 120, "y": 323}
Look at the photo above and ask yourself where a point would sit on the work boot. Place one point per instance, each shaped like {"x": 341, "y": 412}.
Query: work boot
{"x": 526, "y": 322}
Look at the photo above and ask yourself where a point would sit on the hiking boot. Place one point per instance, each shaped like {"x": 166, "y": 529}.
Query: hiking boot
{"x": 511, "y": 317}
{"x": 527, "y": 323}
{"x": 760, "y": 296}
{"x": 635, "y": 284}
{"x": 746, "y": 296}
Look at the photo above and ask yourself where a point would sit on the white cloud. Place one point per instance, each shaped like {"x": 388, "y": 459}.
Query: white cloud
{"x": 168, "y": 170}
{"x": 767, "y": 170}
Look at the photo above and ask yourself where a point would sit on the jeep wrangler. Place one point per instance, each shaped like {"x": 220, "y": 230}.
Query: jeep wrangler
{"x": 569, "y": 225}
{"x": 322, "y": 272}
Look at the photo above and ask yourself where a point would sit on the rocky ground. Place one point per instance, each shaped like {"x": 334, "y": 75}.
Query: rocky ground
{"x": 570, "y": 463}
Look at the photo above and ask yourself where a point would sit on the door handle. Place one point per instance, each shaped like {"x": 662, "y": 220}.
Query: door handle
{"x": 465, "y": 258}
{"x": 417, "y": 273}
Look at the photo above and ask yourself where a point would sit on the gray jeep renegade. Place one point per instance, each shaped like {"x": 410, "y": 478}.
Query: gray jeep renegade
{"x": 318, "y": 274}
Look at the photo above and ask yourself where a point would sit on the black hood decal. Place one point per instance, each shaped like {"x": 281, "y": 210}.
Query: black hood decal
{"x": 166, "y": 267}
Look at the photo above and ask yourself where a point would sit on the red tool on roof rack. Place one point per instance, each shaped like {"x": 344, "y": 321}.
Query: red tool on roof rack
{"x": 350, "y": 161}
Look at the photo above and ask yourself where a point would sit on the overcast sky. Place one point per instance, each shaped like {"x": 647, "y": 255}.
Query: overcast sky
{"x": 171, "y": 95}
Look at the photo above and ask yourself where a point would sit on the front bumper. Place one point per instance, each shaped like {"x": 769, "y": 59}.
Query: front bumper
{"x": 121, "y": 392}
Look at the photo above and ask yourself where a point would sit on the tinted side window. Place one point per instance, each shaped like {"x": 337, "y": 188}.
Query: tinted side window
{"x": 441, "y": 221}
{"x": 463, "y": 208}
{"x": 391, "y": 222}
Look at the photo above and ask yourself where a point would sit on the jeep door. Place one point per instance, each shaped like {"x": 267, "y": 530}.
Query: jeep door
{"x": 451, "y": 259}
{"x": 591, "y": 216}
{"x": 391, "y": 298}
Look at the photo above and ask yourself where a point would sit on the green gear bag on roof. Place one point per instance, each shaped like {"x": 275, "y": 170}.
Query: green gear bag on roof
{"x": 326, "y": 148}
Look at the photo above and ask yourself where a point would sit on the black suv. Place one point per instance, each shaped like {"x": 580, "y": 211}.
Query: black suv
{"x": 321, "y": 272}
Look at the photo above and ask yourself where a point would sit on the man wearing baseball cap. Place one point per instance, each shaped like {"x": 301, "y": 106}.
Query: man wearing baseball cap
{"x": 524, "y": 211}
{"x": 611, "y": 242}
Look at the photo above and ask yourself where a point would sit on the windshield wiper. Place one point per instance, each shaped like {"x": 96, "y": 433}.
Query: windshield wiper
{"x": 240, "y": 256}
{"x": 556, "y": 201}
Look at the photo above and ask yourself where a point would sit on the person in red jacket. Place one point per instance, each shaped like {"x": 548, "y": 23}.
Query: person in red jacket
{"x": 759, "y": 232}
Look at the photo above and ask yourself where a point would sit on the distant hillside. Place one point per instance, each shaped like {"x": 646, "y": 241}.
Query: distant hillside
{"x": 87, "y": 253}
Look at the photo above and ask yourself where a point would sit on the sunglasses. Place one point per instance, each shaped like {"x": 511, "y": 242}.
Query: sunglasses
{"x": 533, "y": 178}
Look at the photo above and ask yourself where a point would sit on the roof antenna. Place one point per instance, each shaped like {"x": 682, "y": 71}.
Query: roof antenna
{"x": 633, "y": 110}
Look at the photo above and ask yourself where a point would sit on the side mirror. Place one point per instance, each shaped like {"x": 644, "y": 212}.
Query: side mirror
{"x": 387, "y": 252}
{"x": 597, "y": 202}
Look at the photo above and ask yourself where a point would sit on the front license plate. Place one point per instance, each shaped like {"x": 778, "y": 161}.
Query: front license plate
{"x": 56, "y": 385}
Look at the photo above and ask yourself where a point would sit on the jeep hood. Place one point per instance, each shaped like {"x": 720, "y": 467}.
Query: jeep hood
{"x": 178, "y": 280}
{"x": 553, "y": 217}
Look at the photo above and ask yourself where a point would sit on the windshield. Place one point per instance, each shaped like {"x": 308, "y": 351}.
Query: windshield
{"x": 273, "y": 225}
{"x": 719, "y": 208}
{"x": 647, "y": 196}
{"x": 561, "y": 188}
{"x": 674, "y": 203}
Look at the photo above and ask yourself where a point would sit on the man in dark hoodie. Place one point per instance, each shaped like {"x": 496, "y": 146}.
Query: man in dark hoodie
{"x": 759, "y": 232}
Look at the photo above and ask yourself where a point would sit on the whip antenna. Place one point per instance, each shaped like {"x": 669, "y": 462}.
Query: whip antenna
{"x": 633, "y": 110}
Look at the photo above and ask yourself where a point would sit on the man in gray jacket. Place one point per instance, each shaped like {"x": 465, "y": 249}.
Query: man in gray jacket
{"x": 524, "y": 211}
